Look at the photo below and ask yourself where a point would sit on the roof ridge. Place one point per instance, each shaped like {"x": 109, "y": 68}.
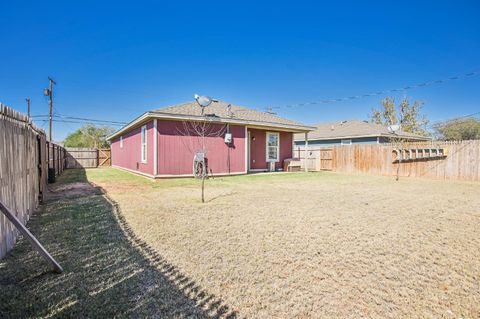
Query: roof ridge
{"x": 219, "y": 103}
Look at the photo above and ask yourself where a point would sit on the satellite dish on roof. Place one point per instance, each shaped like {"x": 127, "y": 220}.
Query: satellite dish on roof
{"x": 393, "y": 128}
{"x": 203, "y": 100}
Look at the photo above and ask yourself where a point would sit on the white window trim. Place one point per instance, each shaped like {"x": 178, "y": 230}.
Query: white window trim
{"x": 121, "y": 141}
{"x": 346, "y": 142}
{"x": 144, "y": 128}
{"x": 266, "y": 147}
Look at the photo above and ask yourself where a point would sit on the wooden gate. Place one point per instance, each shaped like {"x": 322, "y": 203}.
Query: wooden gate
{"x": 104, "y": 157}
{"x": 326, "y": 159}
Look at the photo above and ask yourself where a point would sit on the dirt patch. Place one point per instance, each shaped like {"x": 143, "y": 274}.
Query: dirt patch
{"x": 122, "y": 187}
{"x": 72, "y": 190}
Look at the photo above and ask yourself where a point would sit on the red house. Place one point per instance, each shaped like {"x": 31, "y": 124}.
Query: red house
{"x": 235, "y": 140}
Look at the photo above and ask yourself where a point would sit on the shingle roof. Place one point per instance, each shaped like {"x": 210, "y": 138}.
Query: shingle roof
{"x": 353, "y": 128}
{"x": 220, "y": 109}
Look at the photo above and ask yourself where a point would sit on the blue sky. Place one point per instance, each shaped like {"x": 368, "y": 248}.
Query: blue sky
{"x": 115, "y": 60}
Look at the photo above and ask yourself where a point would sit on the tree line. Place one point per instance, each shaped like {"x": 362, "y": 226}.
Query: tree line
{"x": 411, "y": 120}
{"x": 89, "y": 136}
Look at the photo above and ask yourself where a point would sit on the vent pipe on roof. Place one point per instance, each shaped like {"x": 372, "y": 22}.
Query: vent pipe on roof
{"x": 229, "y": 110}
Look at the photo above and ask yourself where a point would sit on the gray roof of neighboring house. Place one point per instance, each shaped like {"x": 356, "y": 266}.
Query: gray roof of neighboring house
{"x": 353, "y": 129}
{"x": 218, "y": 111}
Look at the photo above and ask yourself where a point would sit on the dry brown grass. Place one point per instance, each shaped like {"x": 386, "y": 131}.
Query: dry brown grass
{"x": 315, "y": 245}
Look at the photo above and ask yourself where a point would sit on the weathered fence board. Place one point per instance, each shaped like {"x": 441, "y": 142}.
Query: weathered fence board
{"x": 81, "y": 157}
{"x": 312, "y": 160}
{"x": 25, "y": 160}
{"x": 56, "y": 157}
{"x": 23, "y": 171}
{"x": 461, "y": 163}
{"x": 87, "y": 157}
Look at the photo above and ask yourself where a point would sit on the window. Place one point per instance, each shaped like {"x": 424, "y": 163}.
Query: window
{"x": 273, "y": 147}
{"x": 144, "y": 144}
{"x": 346, "y": 142}
{"x": 121, "y": 141}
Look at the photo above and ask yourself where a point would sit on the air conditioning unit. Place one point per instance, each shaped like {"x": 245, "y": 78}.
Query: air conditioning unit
{"x": 271, "y": 166}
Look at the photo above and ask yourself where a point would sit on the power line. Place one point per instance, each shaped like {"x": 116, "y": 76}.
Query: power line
{"x": 87, "y": 119}
{"x": 452, "y": 119}
{"x": 81, "y": 119}
{"x": 377, "y": 93}
{"x": 76, "y": 122}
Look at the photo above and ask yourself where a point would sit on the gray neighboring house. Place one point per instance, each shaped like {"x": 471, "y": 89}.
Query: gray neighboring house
{"x": 352, "y": 132}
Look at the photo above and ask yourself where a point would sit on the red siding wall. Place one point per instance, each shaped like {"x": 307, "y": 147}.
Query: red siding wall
{"x": 130, "y": 155}
{"x": 286, "y": 147}
{"x": 257, "y": 149}
{"x": 258, "y": 156}
{"x": 176, "y": 149}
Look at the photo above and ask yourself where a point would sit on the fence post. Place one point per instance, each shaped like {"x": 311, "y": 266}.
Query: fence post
{"x": 48, "y": 154}
{"x": 54, "y": 160}
{"x": 58, "y": 159}
{"x": 307, "y": 154}
{"x": 39, "y": 169}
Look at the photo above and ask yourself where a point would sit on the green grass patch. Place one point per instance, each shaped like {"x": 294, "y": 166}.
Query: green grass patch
{"x": 105, "y": 274}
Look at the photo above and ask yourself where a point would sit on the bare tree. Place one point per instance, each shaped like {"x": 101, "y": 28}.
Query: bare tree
{"x": 397, "y": 145}
{"x": 199, "y": 134}
{"x": 408, "y": 115}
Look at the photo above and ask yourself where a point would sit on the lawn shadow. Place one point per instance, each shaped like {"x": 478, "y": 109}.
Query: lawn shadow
{"x": 109, "y": 271}
{"x": 221, "y": 196}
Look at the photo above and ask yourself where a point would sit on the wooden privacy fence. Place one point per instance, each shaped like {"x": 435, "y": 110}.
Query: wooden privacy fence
{"x": 461, "y": 161}
{"x": 312, "y": 160}
{"x": 23, "y": 171}
{"x": 56, "y": 159}
{"x": 87, "y": 157}
{"x": 27, "y": 162}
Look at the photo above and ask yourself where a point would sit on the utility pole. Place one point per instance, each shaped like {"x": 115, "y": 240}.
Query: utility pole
{"x": 28, "y": 106}
{"x": 49, "y": 92}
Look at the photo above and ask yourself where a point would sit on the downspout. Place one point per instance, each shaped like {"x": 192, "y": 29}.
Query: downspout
{"x": 229, "y": 114}
{"x": 155, "y": 147}
{"x": 228, "y": 150}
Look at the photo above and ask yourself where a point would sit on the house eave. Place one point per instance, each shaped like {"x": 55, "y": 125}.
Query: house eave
{"x": 132, "y": 124}
{"x": 179, "y": 117}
